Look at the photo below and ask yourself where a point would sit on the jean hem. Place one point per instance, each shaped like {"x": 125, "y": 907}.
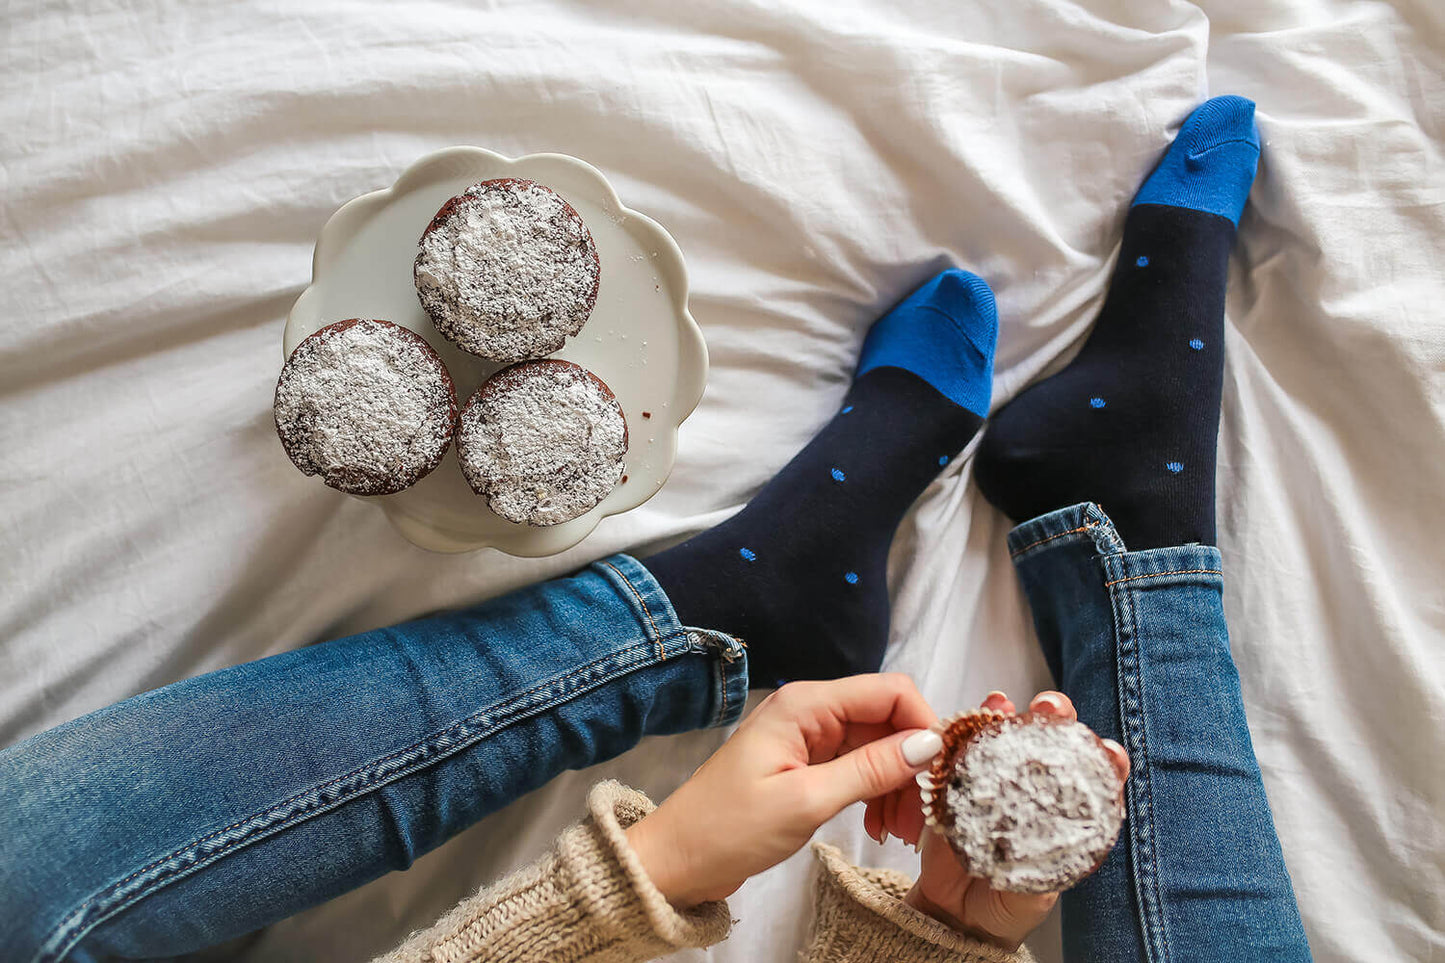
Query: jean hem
{"x": 1085, "y": 521}
{"x": 640, "y": 589}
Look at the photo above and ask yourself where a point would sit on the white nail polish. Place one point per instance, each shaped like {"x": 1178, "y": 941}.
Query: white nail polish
{"x": 921, "y": 747}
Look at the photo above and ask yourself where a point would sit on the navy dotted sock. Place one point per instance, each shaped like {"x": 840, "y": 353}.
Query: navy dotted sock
{"x": 800, "y": 573}
{"x": 1131, "y": 422}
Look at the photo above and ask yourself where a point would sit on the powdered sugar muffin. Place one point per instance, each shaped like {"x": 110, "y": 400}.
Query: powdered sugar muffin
{"x": 1031, "y": 803}
{"x": 543, "y": 441}
{"x": 507, "y": 270}
{"x": 367, "y": 405}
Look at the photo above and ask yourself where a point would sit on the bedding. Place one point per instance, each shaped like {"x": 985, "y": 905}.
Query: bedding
{"x": 166, "y": 168}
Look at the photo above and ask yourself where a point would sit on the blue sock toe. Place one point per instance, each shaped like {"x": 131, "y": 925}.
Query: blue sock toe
{"x": 945, "y": 333}
{"x": 1212, "y": 162}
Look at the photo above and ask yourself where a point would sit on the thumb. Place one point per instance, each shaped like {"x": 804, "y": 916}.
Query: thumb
{"x": 874, "y": 769}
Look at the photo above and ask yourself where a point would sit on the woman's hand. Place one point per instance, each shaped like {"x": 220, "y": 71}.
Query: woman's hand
{"x": 806, "y": 752}
{"x": 966, "y": 903}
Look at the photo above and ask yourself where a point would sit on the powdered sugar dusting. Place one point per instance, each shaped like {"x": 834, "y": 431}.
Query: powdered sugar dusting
{"x": 507, "y": 270}
{"x": 1034, "y": 807}
{"x": 543, "y": 441}
{"x": 367, "y": 405}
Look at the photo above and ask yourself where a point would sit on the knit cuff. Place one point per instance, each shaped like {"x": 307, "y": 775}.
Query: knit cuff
{"x": 608, "y": 881}
{"x": 859, "y": 915}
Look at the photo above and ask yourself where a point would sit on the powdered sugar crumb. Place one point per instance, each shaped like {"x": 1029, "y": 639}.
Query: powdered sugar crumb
{"x": 509, "y": 272}
{"x": 543, "y": 441}
{"x": 1034, "y": 806}
{"x": 366, "y": 405}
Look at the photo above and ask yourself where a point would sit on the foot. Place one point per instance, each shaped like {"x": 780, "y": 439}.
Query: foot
{"x": 1131, "y": 422}
{"x": 800, "y": 573}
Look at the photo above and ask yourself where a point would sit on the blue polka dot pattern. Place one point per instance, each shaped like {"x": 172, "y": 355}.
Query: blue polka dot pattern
{"x": 851, "y": 578}
{"x": 838, "y": 475}
{"x": 943, "y": 459}
{"x": 847, "y": 409}
{"x": 1196, "y": 344}
{"x": 1143, "y": 261}
{"x": 1175, "y": 466}
{"x": 748, "y": 554}
{"x": 1096, "y": 402}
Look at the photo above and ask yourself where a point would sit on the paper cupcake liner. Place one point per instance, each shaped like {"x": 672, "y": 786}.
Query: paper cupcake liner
{"x": 957, "y": 732}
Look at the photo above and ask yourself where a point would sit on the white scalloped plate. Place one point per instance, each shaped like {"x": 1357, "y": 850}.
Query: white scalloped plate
{"x": 640, "y": 339}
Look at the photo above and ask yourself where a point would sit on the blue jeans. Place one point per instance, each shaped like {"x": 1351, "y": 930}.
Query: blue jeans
{"x": 1137, "y": 640}
{"x": 193, "y": 814}
{"x": 207, "y": 809}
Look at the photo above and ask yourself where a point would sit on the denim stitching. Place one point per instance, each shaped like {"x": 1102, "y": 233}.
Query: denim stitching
{"x": 722, "y": 668}
{"x": 656, "y": 634}
{"x": 1186, "y": 571}
{"x": 1143, "y": 833}
{"x": 1073, "y": 531}
{"x": 323, "y": 804}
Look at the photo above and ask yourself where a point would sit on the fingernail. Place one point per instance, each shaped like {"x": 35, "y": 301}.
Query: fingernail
{"x": 1054, "y": 703}
{"x": 883, "y": 837}
{"x": 994, "y": 694}
{"x": 920, "y": 748}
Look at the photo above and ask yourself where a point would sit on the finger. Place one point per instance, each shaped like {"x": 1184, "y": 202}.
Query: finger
{"x": 889, "y": 697}
{"x": 1054, "y": 704}
{"x": 873, "y": 820}
{"x": 821, "y": 712}
{"x": 998, "y": 702}
{"x": 866, "y": 772}
{"x": 1119, "y": 756}
{"x": 855, "y": 735}
{"x": 908, "y": 823}
{"x": 890, "y": 813}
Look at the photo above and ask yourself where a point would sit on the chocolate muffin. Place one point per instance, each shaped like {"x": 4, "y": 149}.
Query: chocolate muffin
{"x": 1031, "y": 803}
{"x": 367, "y": 405}
{"x": 507, "y": 270}
{"x": 543, "y": 441}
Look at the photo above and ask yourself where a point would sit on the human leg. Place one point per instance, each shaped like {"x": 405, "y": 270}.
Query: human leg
{"x": 800, "y": 573}
{"x": 1138, "y": 641}
{"x": 1137, "y": 638}
{"x": 201, "y": 811}
{"x": 1131, "y": 421}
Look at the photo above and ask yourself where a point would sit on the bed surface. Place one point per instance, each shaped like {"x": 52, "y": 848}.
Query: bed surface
{"x": 165, "y": 169}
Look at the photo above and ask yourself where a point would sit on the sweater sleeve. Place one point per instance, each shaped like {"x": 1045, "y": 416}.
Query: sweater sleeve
{"x": 588, "y": 901}
{"x": 859, "y": 916}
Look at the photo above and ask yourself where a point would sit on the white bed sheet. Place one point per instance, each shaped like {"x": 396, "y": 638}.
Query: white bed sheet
{"x": 166, "y": 166}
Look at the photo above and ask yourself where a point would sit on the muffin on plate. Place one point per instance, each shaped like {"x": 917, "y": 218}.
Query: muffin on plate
{"x": 543, "y": 441}
{"x": 1031, "y": 803}
{"x": 367, "y": 405}
{"x": 507, "y": 270}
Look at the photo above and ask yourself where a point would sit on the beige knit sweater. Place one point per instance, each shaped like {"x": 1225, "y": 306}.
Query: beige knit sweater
{"x": 590, "y": 901}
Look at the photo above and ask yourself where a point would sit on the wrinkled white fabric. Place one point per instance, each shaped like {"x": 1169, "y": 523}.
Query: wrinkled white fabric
{"x": 165, "y": 167}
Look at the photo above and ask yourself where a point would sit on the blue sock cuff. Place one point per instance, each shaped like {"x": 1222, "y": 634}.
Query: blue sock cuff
{"x": 945, "y": 333}
{"x": 1212, "y": 162}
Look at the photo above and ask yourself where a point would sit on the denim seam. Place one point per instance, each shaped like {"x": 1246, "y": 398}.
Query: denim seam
{"x": 656, "y": 633}
{"x": 1049, "y": 538}
{"x": 1144, "y": 850}
{"x": 624, "y": 665}
{"x": 722, "y": 671}
{"x": 1186, "y": 571}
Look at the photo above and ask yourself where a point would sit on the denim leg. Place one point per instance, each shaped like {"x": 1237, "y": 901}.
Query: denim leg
{"x": 1138, "y": 641}
{"x": 204, "y": 810}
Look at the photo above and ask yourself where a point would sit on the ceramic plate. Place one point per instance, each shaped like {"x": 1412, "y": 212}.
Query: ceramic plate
{"x": 640, "y": 338}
